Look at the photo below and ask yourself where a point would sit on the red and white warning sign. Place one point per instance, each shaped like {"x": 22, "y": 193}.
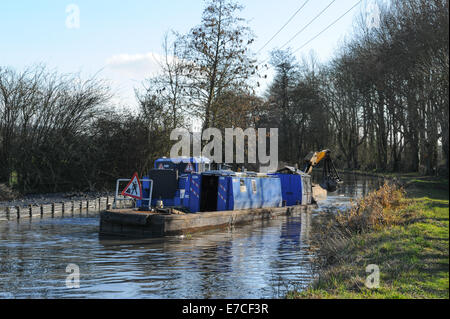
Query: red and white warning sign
{"x": 189, "y": 167}
{"x": 161, "y": 166}
{"x": 134, "y": 188}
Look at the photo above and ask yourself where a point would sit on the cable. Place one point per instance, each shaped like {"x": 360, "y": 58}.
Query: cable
{"x": 290, "y": 19}
{"x": 317, "y": 35}
{"x": 314, "y": 19}
{"x": 329, "y": 26}
{"x": 310, "y": 22}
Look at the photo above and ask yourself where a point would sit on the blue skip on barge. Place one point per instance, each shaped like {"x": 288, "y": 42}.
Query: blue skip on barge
{"x": 188, "y": 196}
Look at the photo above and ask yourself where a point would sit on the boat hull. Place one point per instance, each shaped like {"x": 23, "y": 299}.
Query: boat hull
{"x": 138, "y": 224}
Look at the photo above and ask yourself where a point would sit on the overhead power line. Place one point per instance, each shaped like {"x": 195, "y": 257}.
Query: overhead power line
{"x": 290, "y": 19}
{"x": 320, "y": 33}
{"x": 310, "y": 22}
{"x": 329, "y": 26}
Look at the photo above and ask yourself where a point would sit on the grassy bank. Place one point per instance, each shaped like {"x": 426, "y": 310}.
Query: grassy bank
{"x": 406, "y": 236}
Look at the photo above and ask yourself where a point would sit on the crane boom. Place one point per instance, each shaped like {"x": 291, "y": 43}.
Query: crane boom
{"x": 330, "y": 177}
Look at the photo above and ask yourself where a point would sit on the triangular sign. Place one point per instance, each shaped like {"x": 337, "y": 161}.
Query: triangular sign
{"x": 134, "y": 188}
{"x": 161, "y": 166}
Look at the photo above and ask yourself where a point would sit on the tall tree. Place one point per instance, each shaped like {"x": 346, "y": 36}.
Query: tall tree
{"x": 218, "y": 59}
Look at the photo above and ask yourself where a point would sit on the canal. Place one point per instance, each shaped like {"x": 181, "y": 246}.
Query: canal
{"x": 261, "y": 260}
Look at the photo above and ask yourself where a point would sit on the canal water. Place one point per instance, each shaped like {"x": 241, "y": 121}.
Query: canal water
{"x": 261, "y": 260}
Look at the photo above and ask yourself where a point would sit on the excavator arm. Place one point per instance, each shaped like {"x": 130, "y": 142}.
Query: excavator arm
{"x": 314, "y": 158}
{"x": 330, "y": 177}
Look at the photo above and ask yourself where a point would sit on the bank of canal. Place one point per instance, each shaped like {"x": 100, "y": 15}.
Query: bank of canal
{"x": 262, "y": 260}
{"x": 411, "y": 250}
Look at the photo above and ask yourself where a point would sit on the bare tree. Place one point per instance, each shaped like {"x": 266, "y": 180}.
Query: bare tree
{"x": 217, "y": 58}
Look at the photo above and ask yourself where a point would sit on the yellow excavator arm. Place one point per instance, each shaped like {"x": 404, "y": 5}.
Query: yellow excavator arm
{"x": 314, "y": 158}
{"x": 330, "y": 177}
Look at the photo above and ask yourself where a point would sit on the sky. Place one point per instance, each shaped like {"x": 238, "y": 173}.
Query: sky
{"x": 120, "y": 41}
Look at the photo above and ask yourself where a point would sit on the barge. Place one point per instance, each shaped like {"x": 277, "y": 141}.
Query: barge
{"x": 201, "y": 199}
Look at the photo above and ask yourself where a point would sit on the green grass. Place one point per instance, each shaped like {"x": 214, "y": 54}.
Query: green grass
{"x": 413, "y": 257}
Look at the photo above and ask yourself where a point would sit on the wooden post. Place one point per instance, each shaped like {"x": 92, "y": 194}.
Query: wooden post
{"x": 18, "y": 212}
{"x": 73, "y": 207}
{"x": 42, "y": 210}
{"x": 63, "y": 208}
{"x": 30, "y": 209}
{"x": 8, "y": 211}
{"x": 81, "y": 207}
{"x": 99, "y": 204}
{"x": 53, "y": 210}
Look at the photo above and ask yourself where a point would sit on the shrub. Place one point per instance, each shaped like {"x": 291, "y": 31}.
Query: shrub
{"x": 379, "y": 208}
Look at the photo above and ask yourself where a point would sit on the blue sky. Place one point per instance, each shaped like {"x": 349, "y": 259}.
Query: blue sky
{"x": 122, "y": 39}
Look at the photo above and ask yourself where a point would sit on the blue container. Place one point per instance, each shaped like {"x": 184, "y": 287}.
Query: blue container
{"x": 271, "y": 195}
{"x": 223, "y": 199}
{"x": 291, "y": 188}
{"x": 242, "y": 196}
{"x": 193, "y": 190}
{"x": 235, "y": 191}
{"x": 244, "y": 192}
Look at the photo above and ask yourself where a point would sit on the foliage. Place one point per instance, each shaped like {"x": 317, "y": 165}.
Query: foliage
{"x": 378, "y": 209}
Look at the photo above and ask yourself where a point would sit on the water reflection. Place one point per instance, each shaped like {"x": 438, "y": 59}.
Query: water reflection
{"x": 261, "y": 260}
{"x": 354, "y": 187}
